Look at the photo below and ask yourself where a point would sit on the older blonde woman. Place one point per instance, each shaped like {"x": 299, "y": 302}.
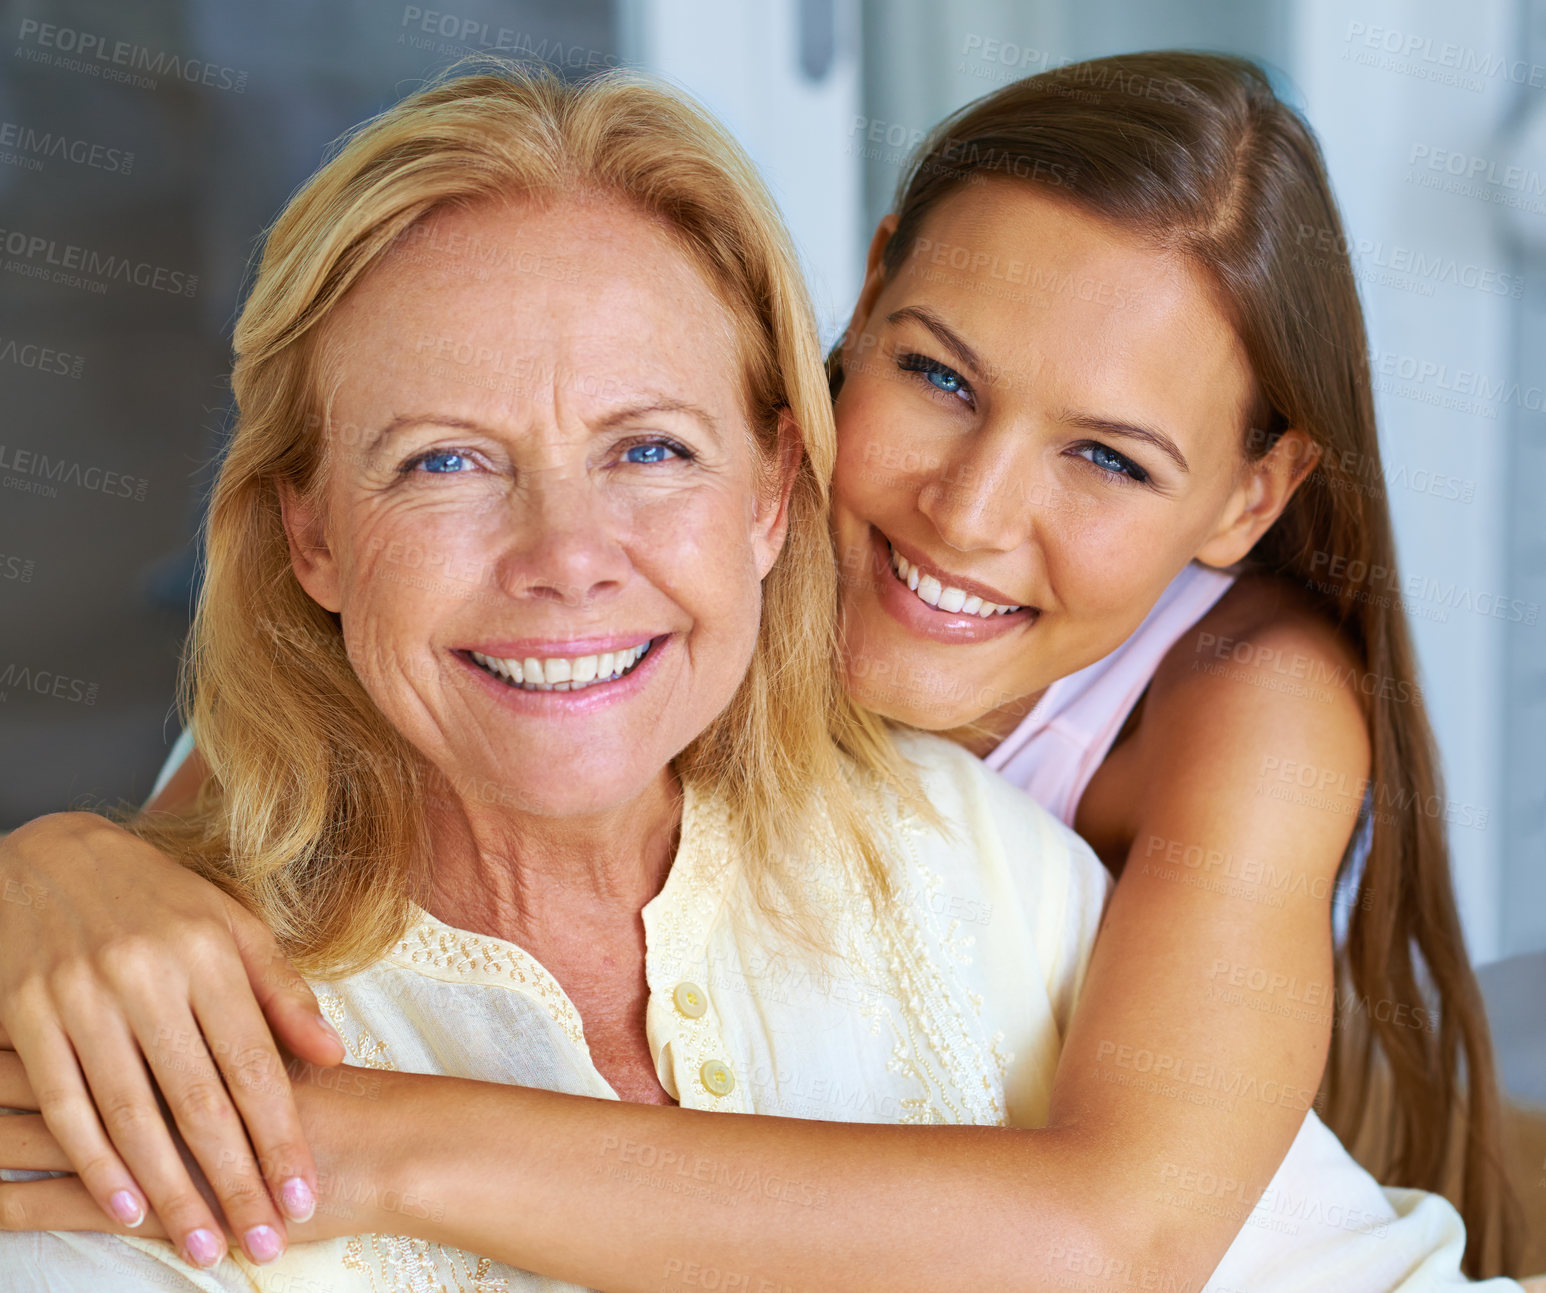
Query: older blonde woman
{"x": 515, "y": 664}
{"x": 515, "y": 672}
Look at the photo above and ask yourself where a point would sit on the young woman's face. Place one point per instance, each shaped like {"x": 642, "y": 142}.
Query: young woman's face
{"x": 1039, "y": 412}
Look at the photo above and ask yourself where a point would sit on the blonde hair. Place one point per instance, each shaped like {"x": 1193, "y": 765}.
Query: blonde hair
{"x": 314, "y": 815}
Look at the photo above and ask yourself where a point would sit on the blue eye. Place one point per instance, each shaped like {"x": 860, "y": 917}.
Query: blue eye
{"x": 943, "y": 379}
{"x": 652, "y": 452}
{"x": 440, "y": 461}
{"x": 1110, "y": 461}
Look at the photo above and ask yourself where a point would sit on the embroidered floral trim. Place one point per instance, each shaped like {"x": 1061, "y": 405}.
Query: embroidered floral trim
{"x": 433, "y": 947}
{"x": 364, "y": 1049}
{"x": 406, "y": 1265}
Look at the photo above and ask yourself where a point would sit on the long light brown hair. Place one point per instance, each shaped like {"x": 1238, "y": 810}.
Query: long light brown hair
{"x": 314, "y": 814}
{"x": 1198, "y": 155}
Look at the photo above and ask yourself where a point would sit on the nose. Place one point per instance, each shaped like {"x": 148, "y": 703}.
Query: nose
{"x": 982, "y": 499}
{"x": 565, "y": 544}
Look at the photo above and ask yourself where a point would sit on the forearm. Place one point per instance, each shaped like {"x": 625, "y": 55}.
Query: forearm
{"x": 638, "y": 1198}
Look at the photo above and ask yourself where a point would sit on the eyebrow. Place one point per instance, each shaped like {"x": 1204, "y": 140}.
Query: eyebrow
{"x": 663, "y": 405}
{"x": 946, "y": 335}
{"x": 404, "y": 420}
{"x": 615, "y": 418}
{"x": 1127, "y": 430}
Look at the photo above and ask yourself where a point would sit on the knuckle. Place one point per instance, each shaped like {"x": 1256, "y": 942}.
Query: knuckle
{"x": 291, "y": 983}
{"x": 206, "y": 944}
{"x": 254, "y": 1069}
{"x": 282, "y": 1160}
{"x": 203, "y": 1105}
{"x": 126, "y": 1116}
{"x": 241, "y": 1193}
{"x": 29, "y": 999}
{"x": 244, "y": 924}
{"x": 67, "y": 979}
{"x": 181, "y": 1210}
{"x": 95, "y": 1166}
{"x": 128, "y": 958}
{"x": 58, "y": 1106}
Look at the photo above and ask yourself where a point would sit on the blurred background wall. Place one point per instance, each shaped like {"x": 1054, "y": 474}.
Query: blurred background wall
{"x": 144, "y": 146}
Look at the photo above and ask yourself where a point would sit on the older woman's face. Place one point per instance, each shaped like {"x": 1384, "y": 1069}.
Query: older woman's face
{"x": 544, "y": 525}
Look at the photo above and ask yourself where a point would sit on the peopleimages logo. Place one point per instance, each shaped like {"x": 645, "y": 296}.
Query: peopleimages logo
{"x": 33, "y": 468}
{"x": 1416, "y": 49}
{"x": 84, "y": 267}
{"x": 17, "y": 568}
{"x": 1471, "y": 167}
{"x": 1462, "y": 383}
{"x": 118, "y": 60}
{"x": 41, "y": 359}
{"x": 36, "y": 145}
{"x": 46, "y": 682}
{"x": 1466, "y": 175}
{"x": 1429, "y": 266}
{"x": 1356, "y": 579}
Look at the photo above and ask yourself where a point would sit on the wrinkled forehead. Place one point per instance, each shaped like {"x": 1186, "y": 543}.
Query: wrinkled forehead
{"x": 512, "y": 307}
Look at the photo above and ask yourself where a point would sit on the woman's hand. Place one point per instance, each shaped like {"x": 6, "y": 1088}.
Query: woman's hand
{"x": 122, "y": 973}
{"x": 339, "y": 1107}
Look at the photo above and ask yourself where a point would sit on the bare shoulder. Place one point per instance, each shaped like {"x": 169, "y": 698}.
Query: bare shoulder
{"x": 1266, "y": 687}
{"x": 1256, "y": 712}
{"x": 1265, "y": 642}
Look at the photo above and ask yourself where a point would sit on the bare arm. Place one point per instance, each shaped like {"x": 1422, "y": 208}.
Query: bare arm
{"x": 1162, "y": 984}
{"x": 1202, "y": 1031}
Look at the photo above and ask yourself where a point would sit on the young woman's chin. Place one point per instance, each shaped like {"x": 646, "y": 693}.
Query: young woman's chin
{"x": 929, "y": 685}
{"x": 914, "y": 664}
{"x": 898, "y": 704}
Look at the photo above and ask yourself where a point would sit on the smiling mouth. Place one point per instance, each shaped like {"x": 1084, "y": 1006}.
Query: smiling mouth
{"x": 563, "y": 673}
{"x": 943, "y": 597}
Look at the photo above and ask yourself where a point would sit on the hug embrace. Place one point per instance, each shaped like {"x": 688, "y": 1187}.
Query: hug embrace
{"x": 657, "y": 811}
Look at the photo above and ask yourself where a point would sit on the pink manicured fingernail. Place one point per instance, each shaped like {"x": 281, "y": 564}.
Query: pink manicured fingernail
{"x": 327, "y": 1027}
{"x": 127, "y": 1208}
{"x": 297, "y": 1200}
{"x": 202, "y": 1247}
{"x": 263, "y": 1244}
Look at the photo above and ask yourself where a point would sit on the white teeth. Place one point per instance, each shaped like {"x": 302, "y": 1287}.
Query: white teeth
{"x": 943, "y": 597}
{"x": 563, "y": 673}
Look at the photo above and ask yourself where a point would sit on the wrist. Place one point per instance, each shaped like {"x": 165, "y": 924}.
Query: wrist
{"x": 372, "y": 1143}
{"x": 416, "y": 1164}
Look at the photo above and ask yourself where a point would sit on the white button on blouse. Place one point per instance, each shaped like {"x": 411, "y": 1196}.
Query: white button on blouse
{"x": 689, "y": 1000}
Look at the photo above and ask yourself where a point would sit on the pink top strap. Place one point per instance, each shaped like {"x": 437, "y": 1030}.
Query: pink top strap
{"x": 1055, "y": 751}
